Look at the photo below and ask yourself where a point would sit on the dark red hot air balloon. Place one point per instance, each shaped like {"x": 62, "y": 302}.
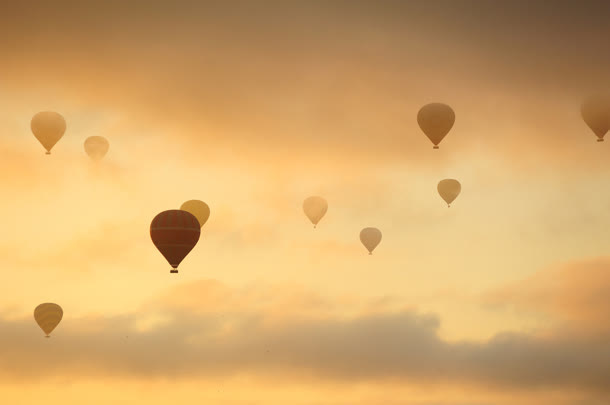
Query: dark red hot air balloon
{"x": 175, "y": 233}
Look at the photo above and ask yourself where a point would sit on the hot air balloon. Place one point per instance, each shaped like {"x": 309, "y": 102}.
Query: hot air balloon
{"x": 370, "y": 238}
{"x": 595, "y": 112}
{"x": 48, "y": 127}
{"x": 436, "y": 120}
{"x": 449, "y": 189}
{"x": 175, "y": 233}
{"x": 48, "y": 316}
{"x": 199, "y": 209}
{"x": 315, "y": 208}
{"x": 96, "y": 147}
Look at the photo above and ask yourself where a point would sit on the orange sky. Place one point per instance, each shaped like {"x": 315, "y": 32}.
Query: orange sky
{"x": 254, "y": 106}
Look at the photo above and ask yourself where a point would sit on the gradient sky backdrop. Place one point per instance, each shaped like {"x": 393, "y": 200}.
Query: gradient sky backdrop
{"x": 252, "y": 107}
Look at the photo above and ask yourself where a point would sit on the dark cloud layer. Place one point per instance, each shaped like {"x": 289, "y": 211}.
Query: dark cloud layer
{"x": 403, "y": 346}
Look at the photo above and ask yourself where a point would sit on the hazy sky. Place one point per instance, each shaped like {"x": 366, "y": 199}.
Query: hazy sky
{"x": 252, "y": 106}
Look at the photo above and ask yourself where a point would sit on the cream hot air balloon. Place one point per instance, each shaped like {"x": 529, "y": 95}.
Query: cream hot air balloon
{"x": 449, "y": 189}
{"x": 96, "y": 147}
{"x": 199, "y": 209}
{"x": 595, "y": 112}
{"x": 315, "y": 208}
{"x": 48, "y": 127}
{"x": 370, "y": 238}
{"x": 436, "y": 120}
{"x": 48, "y": 316}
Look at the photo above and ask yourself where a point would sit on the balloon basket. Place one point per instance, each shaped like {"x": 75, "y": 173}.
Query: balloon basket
{"x": 435, "y": 147}
{"x": 47, "y": 153}
{"x": 600, "y": 140}
{"x": 47, "y": 336}
{"x": 174, "y": 271}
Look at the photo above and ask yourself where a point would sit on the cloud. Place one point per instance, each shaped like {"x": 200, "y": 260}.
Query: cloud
{"x": 340, "y": 83}
{"x": 575, "y": 295}
{"x": 206, "y": 328}
{"x": 100, "y": 245}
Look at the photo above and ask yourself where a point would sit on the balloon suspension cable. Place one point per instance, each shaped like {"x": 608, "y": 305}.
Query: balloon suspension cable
{"x": 435, "y": 147}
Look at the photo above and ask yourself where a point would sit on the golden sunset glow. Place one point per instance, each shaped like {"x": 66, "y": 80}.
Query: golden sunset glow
{"x": 253, "y": 107}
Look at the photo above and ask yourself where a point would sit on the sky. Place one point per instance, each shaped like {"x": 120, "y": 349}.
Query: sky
{"x": 253, "y": 107}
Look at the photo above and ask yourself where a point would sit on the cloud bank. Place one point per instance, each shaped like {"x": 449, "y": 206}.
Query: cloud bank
{"x": 205, "y": 328}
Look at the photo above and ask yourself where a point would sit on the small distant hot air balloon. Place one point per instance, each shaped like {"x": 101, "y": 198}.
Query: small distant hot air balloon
{"x": 436, "y": 120}
{"x": 48, "y": 316}
{"x": 370, "y": 238}
{"x": 199, "y": 209}
{"x": 96, "y": 147}
{"x": 595, "y": 112}
{"x": 449, "y": 189}
{"x": 48, "y": 127}
{"x": 175, "y": 233}
{"x": 315, "y": 208}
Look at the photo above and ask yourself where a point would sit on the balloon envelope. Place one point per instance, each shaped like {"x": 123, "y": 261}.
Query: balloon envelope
{"x": 96, "y": 147}
{"x": 48, "y": 316}
{"x": 175, "y": 233}
{"x": 449, "y": 189}
{"x": 370, "y": 238}
{"x": 48, "y": 127}
{"x": 595, "y": 112}
{"x": 199, "y": 209}
{"x": 436, "y": 120}
{"x": 315, "y": 208}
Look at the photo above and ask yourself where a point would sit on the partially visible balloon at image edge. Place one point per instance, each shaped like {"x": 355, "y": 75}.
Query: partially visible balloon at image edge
{"x": 595, "y": 112}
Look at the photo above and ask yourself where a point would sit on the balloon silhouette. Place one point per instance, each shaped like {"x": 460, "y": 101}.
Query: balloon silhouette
{"x": 96, "y": 147}
{"x": 315, "y": 208}
{"x": 48, "y": 316}
{"x": 436, "y": 120}
{"x": 175, "y": 233}
{"x": 48, "y": 127}
{"x": 199, "y": 209}
{"x": 370, "y": 238}
{"x": 449, "y": 189}
{"x": 595, "y": 112}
